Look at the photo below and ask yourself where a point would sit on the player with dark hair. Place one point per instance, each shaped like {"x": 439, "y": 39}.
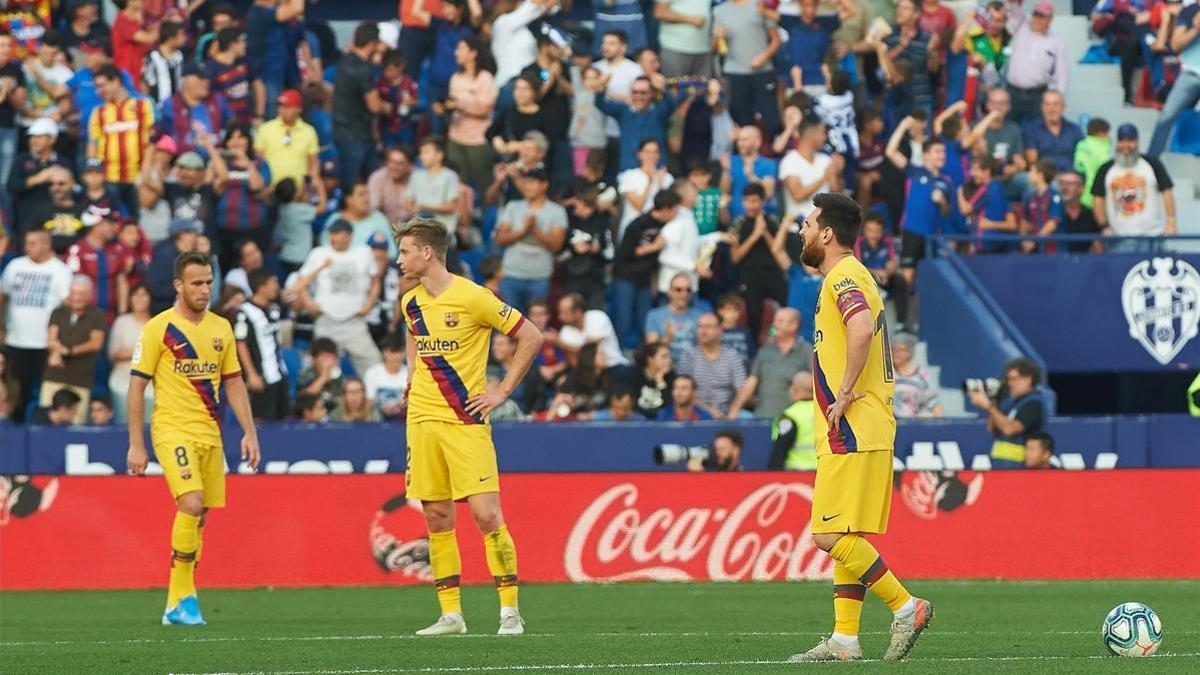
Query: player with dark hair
{"x": 855, "y": 432}
{"x": 188, "y": 352}
{"x": 450, "y": 452}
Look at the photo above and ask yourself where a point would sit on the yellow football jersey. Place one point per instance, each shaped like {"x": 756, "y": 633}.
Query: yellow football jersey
{"x": 187, "y": 363}
{"x": 453, "y": 335}
{"x": 868, "y": 423}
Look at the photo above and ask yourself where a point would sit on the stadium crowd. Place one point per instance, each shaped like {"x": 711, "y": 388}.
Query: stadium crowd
{"x": 631, "y": 180}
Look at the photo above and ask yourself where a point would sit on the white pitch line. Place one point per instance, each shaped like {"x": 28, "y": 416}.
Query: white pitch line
{"x": 617, "y": 634}
{"x": 656, "y": 664}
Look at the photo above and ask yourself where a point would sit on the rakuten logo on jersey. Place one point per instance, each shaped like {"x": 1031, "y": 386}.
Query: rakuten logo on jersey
{"x": 762, "y": 537}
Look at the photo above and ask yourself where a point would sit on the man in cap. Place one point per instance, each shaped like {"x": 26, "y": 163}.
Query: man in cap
{"x": 290, "y": 145}
{"x": 190, "y": 196}
{"x": 195, "y": 116}
{"x": 29, "y": 181}
{"x": 1133, "y": 195}
{"x": 1038, "y": 62}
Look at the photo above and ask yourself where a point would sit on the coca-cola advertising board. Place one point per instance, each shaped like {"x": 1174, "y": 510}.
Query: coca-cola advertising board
{"x": 361, "y": 530}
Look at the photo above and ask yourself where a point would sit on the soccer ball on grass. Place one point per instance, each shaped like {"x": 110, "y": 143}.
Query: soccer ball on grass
{"x": 1132, "y": 629}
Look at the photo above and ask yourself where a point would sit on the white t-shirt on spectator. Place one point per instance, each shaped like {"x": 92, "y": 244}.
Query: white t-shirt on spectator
{"x": 513, "y": 44}
{"x": 237, "y": 277}
{"x": 33, "y": 291}
{"x": 596, "y": 327}
{"x": 1133, "y": 196}
{"x": 620, "y": 86}
{"x": 634, "y": 181}
{"x": 681, "y": 251}
{"x": 341, "y": 289}
{"x": 795, "y": 166}
{"x": 385, "y": 388}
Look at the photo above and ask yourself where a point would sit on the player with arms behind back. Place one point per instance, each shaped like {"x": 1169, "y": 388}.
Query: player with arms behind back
{"x": 188, "y": 353}
{"x": 855, "y": 434}
{"x": 450, "y": 453}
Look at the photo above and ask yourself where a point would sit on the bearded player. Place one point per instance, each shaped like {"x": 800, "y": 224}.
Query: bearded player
{"x": 188, "y": 353}
{"x": 450, "y": 453}
{"x": 855, "y": 434}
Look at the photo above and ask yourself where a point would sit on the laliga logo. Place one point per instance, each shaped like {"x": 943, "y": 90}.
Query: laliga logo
{"x": 1162, "y": 305}
{"x": 752, "y": 540}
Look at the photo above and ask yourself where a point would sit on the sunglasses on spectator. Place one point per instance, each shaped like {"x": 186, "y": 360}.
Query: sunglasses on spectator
{"x": 681, "y": 289}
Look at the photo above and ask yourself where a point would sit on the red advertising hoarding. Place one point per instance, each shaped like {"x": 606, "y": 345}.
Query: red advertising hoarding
{"x": 360, "y": 529}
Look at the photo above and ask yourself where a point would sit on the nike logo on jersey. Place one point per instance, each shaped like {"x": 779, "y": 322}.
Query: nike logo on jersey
{"x": 826, "y": 519}
{"x": 484, "y": 478}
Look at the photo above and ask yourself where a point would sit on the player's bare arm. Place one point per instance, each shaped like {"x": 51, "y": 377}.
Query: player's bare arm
{"x": 858, "y": 345}
{"x": 529, "y": 341}
{"x": 239, "y": 400}
{"x": 136, "y": 458}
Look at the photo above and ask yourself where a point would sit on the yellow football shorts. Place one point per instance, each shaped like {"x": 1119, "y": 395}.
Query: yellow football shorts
{"x": 190, "y": 467}
{"x": 853, "y": 493}
{"x": 450, "y": 461}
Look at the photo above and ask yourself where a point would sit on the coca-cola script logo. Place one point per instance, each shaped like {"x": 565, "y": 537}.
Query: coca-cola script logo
{"x": 765, "y": 536}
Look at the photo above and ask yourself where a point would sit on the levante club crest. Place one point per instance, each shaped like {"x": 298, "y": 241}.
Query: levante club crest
{"x": 1161, "y": 299}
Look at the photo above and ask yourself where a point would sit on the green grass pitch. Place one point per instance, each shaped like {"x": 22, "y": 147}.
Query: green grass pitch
{"x": 629, "y": 628}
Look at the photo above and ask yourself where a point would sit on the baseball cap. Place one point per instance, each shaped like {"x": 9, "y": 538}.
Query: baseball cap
{"x": 1127, "y": 131}
{"x": 194, "y": 69}
{"x": 378, "y": 241}
{"x": 537, "y": 173}
{"x": 341, "y": 225}
{"x": 181, "y": 225}
{"x": 167, "y": 144}
{"x": 93, "y": 164}
{"x": 389, "y": 34}
{"x": 190, "y": 160}
{"x": 43, "y": 126}
{"x": 290, "y": 98}
{"x": 1044, "y": 8}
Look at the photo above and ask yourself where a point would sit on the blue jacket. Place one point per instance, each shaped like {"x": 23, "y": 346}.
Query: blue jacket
{"x": 637, "y": 126}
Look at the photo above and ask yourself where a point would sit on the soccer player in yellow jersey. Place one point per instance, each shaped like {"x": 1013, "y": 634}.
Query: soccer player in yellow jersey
{"x": 855, "y": 433}
{"x": 188, "y": 353}
{"x": 450, "y": 453}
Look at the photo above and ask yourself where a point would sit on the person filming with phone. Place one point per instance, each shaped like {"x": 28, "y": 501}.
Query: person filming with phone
{"x": 1017, "y": 411}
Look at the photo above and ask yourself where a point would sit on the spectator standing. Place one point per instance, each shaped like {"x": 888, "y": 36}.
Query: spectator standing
{"x": 290, "y": 145}
{"x": 625, "y": 16}
{"x": 229, "y": 73}
{"x": 640, "y": 186}
{"x": 133, "y": 36}
{"x": 356, "y": 101}
{"x": 119, "y": 133}
{"x": 241, "y": 210}
{"x": 97, "y": 195}
{"x": 387, "y": 381}
{"x": 1091, "y": 153}
{"x": 387, "y": 187}
{"x": 47, "y": 77}
{"x": 256, "y": 329}
{"x": 1006, "y": 143}
{"x": 456, "y": 25}
{"x": 31, "y": 287}
{"x": 74, "y": 338}
{"x": 220, "y": 17}
{"x": 641, "y": 120}
{"x": 1133, "y": 195}
{"x": 191, "y": 195}
{"x": 617, "y": 75}
{"x": 683, "y": 407}
{"x": 792, "y": 438}
{"x": 272, "y": 37}
{"x": 96, "y": 256}
{"x": 916, "y": 393}
{"x": 12, "y": 96}
{"x": 1185, "y": 94}
{"x": 1038, "y": 61}
{"x": 84, "y": 27}
{"x": 928, "y": 198}
{"x": 681, "y": 242}
{"x": 747, "y": 166}
{"x": 514, "y": 46}
{"x": 1050, "y": 136}
{"x": 587, "y": 122}
{"x": 433, "y": 188}
{"x": 760, "y": 275}
{"x": 748, "y": 40}
{"x": 989, "y": 44}
{"x": 810, "y": 38}
{"x": 635, "y": 263}
{"x": 684, "y": 36}
{"x": 162, "y": 69}
{"x": 183, "y": 235}
{"x": 346, "y": 288}
{"x": 31, "y": 175}
{"x": 719, "y": 372}
{"x": 588, "y": 248}
{"x": 401, "y": 94}
{"x": 122, "y": 340}
{"x": 675, "y": 322}
{"x": 551, "y": 76}
{"x": 876, "y": 250}
{"x": 1042, "y": 209}
{"x": 777, "y": 362}
{"x": 982, "y": 199}
{"x": 513, "y": 122}
{"x": 532, "y": 231}
{"x": 806, "y": 170}
{"x": 470, "y": 102}
{"x": 1077, "y": 218}
{"x": 1019, "y": 412}
{"x": 418, "y": 22}
{"x": 365, "y": 222}
{"x": 294, "y": 225}
{"x": 907, "y": 43}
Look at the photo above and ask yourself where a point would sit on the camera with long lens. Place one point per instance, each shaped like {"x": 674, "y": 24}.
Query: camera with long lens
{"x": 670, "y": 453}
{"x": 988, "y": 385}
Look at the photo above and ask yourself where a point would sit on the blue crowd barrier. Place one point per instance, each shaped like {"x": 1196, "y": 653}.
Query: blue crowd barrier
{"x": 1132, "y": 441}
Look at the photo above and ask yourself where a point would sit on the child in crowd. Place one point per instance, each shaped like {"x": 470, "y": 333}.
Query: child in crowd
{"x": 588, "y": 249}
{"x": 1094, "y": 150}
{"x": 400, "y": 92}
{"x": 294, "y": 227}
{"x": 587, "y": 122}
{"x": 982, "y": 199}
{"x": 1042, "y": 210}
{"x": 97, "y": 194}
{"x": 708, "y": 197}
{"x": 835, "y": 107}
{"x": 734, "y": 336}
{"x": 386, "y": 381}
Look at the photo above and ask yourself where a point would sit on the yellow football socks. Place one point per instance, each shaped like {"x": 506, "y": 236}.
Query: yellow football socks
{"x": 861, "y": 560}
{"x": 185, "y": 537}
{"x": 848, "y": 594}
{"x": 502, "y": 562}
{"x": 447, "y": 567}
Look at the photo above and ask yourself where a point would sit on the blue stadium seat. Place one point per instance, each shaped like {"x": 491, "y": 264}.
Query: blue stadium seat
{"x": 1187, "y": 133}
{"x": 293, "y": 361}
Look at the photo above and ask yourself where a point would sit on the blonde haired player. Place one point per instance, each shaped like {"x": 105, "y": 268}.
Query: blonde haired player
{"x": 450, "y": 453}
{"x": 855, "y": 434}
{"x": 188, "y": 353}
